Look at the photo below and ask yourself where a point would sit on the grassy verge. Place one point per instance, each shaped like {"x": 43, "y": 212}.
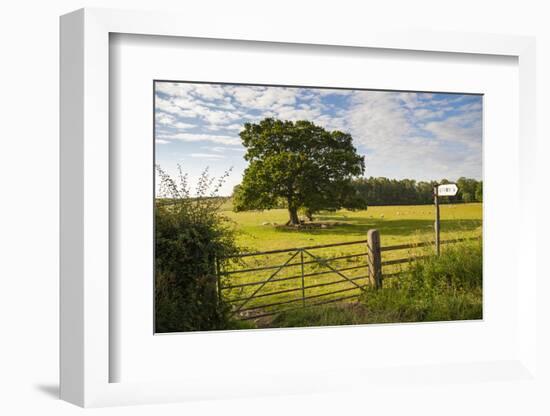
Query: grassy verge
{"x": 337, "y": 314}
{"x": 442, "y": 288}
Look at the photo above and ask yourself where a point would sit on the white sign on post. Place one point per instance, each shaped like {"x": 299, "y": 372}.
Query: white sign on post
{"x": 449, "y": 189}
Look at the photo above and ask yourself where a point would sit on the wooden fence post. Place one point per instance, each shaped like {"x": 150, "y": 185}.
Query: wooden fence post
{"x": 374, "y": 258}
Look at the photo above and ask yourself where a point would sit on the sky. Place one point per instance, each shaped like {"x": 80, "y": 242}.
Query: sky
{"x": 421, "y": 136}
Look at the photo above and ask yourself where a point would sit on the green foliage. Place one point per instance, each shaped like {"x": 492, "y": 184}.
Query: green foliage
{"x": 383, "y": 191}
{"x": 468, "y": 190}
{"x": 299, "y": 163}
{"x": 479, "y": 192}
{"x": 190, "y": 233}
{"x": 448, "y": 287}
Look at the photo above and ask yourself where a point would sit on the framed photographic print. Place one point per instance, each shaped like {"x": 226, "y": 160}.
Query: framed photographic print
{"x": 246, "y": 215}
{"x": 265, "y": 216}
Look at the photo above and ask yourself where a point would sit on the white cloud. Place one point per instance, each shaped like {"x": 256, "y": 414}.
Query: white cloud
{"x": 475, "y": 106}
{"x": 166, "y": 106}
{"x": 377, "y": 120}
{"x": 332, "y": 123}
{"x": 207, "y": 156}
{"x": 294, "y": 114}
{"x": 263, "y": 98}
{"x": 222, "y": 149}
{"x": 410, "y": 100}
{"x": 425, "y": 113}
{"x": 209, "y": 91}
{"x": 164, "y": 119}
{"x": 216, "y": 117}
{"x": 190, "y": 137}
{"x": 184, "y": 126}
{"x": 236, "y": 126}
{"x": 161, "y": 141}
{"x": 174, "y": 88}
{"x": 334, "y": 92}
{"x": 246, "y": 96}
{"x": 463, "y": 128}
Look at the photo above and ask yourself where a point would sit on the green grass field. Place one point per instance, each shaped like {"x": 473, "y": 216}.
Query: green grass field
{"x": 397, "y": 224}
{"x": 262, "y": 231}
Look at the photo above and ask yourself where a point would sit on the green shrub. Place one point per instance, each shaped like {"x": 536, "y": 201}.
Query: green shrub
{"x": 448, "y": 287}
{"x": 190, "y": 234}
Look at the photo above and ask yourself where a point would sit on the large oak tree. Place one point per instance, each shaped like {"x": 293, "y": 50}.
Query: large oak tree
{"x": 299, "y": 165}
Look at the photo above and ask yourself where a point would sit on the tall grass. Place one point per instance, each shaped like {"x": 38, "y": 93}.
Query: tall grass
{"x": 326, "y": 315}
{"x": 448, "y": 287}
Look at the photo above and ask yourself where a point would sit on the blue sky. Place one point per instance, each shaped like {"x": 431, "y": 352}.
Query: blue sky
{"x": 422, "y": 136}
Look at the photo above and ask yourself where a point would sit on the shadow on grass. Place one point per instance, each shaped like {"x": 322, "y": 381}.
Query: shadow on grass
{"x": 360, "y": 226}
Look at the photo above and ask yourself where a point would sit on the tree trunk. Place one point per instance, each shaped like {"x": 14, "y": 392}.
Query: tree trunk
{"x": 293, "y": 213}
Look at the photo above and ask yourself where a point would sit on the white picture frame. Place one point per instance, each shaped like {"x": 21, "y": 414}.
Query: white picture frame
{"x": 85, "y": 354}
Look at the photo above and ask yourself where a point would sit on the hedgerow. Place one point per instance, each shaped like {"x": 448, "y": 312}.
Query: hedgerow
{"x": 190, "y": 233}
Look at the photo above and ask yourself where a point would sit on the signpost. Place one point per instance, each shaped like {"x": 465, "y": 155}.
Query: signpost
{"x": 448, "y": 189}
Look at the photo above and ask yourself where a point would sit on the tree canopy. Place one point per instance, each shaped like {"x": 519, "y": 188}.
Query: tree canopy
{"x": 385, "y": 191}
{"x": 300, "y": 165}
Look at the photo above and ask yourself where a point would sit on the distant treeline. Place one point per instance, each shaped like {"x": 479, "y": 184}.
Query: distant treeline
{"x": 384, "y": 191}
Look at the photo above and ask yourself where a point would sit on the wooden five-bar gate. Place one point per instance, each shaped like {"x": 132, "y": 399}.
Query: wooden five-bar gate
{"x": 302, "y": 276}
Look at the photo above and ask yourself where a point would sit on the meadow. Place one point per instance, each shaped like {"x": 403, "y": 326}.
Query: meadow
{"x": 259, "y": 231}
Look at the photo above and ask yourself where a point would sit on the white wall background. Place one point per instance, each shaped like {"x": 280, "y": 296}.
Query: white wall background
{"x": 29, "y": 56}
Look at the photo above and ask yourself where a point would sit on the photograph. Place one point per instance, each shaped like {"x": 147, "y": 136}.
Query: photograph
{"x": 280, "y": 206}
